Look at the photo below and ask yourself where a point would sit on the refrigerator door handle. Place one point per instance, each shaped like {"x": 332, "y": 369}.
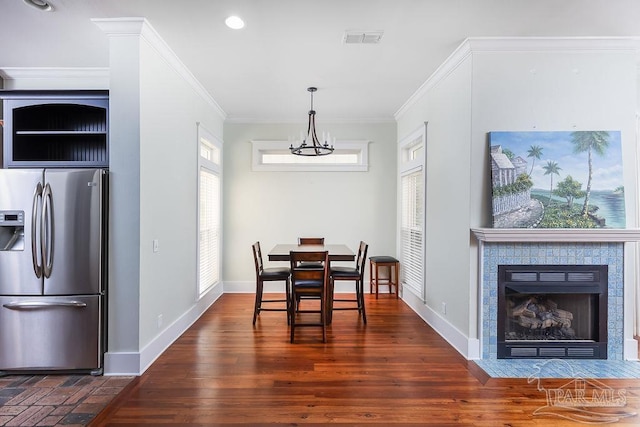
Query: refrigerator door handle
{"x": 43, "y": 304}
{"x": 47, "y": 231}
{"x": 35, "y": 247}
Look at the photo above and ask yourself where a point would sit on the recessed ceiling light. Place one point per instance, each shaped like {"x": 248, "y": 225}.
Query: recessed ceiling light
{"x": 234, "y": 22}
{"x": 40, "y": 5}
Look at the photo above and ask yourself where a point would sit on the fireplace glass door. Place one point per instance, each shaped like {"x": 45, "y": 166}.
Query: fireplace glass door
{"x": 552, "y": 311}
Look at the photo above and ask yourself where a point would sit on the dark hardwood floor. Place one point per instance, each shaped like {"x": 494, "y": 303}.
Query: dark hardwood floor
{"x": 394, "y": 370}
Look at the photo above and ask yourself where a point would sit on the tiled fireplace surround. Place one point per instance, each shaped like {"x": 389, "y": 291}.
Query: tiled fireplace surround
{"x": 545, "y": 247}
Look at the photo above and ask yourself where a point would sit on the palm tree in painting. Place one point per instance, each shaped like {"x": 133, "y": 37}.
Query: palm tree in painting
{"x": 589, "y": 141}
{"x": 535, "y": 152}
{"x": 551, "y": 168}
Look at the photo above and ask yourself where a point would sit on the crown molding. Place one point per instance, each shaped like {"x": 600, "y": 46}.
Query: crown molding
{"x": 92, "y": 77}
{"x": 474, "y": 45}
{"x": 290, "y": 121}
{"x": 553, "y": 44}
{"x": 454, "y": 60}
{"x": 128, "y": 27}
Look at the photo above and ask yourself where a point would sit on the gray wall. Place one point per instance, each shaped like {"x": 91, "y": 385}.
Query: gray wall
{"x": 279, "y": 207}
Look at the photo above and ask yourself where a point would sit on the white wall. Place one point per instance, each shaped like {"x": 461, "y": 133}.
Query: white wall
{"x": 507, "y": 84}
{"x": 585, "y": 85}
{"x": 123, "y": 292}
{"x": 169, "y": 112}
{"x": 279, "y": 207}
{"x": 444, "y": 101}
{"x": 156, "y": 105}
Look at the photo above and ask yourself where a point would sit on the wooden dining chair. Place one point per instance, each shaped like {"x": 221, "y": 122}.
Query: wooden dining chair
{"x": 355, "y": 274}
{"x": 272, "y": 274}
{"x": 309, "y": 284}
{"x": 302, "y": 241}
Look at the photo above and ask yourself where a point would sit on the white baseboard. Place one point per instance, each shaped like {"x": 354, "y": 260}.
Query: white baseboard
{"x": 122, "y": 364}
{"x": 630, "y": 349}
{"x": 469, "y": 348}
{"x": 135, "y": 363}
{"x": 474, "y": 350}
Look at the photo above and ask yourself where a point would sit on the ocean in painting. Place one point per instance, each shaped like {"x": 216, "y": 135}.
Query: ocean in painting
{"x": 610, "y": 205}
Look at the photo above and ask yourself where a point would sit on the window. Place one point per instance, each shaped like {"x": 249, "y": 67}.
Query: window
{"x": 412, "y": 208}
{"x": 209, "y": 208}
{"x": 275, "y": 156}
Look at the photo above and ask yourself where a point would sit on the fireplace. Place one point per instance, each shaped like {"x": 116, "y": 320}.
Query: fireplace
{"x": 552, "y": 311}
{"x": 574, "y": 247}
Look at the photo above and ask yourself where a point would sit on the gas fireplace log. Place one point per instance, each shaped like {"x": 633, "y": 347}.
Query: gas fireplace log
{"x": 532, "y": 314}
{"x": 561, "y": 322}
{"x": 545, "y": 315}
{"x": 523, "y": 309}
{"x": 563, "y": 314}
{"x": 529, "y": 322}
{"x": 535, "y": 323}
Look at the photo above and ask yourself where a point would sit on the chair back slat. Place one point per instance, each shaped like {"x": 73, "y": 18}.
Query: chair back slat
{"x": 257, "y": 258}
{"x": 362, "y": 257}
{"x": 310, "y": 240}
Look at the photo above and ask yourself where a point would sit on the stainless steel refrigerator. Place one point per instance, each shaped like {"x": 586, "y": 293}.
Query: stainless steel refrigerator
{"x": 53, "y": 269}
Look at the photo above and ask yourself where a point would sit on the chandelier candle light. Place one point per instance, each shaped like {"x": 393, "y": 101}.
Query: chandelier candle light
{"x": 310, "y": 145}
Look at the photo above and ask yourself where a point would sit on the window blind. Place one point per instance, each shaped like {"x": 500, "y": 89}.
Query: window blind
{"x": 209, "y": 229}
{"x": 411, "y": 232}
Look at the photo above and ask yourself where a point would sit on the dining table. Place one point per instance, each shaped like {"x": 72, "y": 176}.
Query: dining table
{"x": 337, "y": 252}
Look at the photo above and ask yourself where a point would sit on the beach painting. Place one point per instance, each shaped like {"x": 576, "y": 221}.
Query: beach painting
{"x": 558, "y": 179}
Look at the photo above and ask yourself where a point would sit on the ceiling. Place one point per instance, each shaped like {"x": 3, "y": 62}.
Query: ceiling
{"x": 261, "y": 73}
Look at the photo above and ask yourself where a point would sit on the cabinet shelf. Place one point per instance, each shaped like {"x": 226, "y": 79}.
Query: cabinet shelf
{"x": 59, "y": 132}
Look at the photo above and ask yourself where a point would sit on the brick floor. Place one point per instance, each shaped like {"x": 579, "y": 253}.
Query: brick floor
{"x": 50, "y": 420}
{"x": 55, "y": 400}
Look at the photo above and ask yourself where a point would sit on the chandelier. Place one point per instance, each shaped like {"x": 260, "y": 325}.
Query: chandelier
{"x": 309, "y": 144}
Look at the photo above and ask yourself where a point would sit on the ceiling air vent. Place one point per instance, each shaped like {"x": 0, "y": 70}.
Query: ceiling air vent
{"x": 362, "y": 37}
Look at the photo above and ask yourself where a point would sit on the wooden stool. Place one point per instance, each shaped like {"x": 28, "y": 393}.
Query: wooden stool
{"x": 392, "y": 264}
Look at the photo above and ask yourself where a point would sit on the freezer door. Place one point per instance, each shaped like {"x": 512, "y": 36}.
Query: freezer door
{"x": 20, "y": 255}
{"x": 72, "y": 229}
{"x": 50, "y": 333}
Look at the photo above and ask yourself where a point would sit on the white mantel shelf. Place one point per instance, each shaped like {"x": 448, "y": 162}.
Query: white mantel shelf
{"x": 532, "y": 235}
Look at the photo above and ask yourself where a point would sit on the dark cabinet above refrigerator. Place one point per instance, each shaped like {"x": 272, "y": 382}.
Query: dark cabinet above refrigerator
{"x": 55, "y": 129}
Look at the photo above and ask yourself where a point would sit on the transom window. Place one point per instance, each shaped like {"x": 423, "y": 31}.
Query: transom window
{"x": 275, "y": 156}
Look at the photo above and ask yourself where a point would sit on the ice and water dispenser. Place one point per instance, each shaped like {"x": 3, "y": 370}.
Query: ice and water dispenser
{"x": 11, "y": 230}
